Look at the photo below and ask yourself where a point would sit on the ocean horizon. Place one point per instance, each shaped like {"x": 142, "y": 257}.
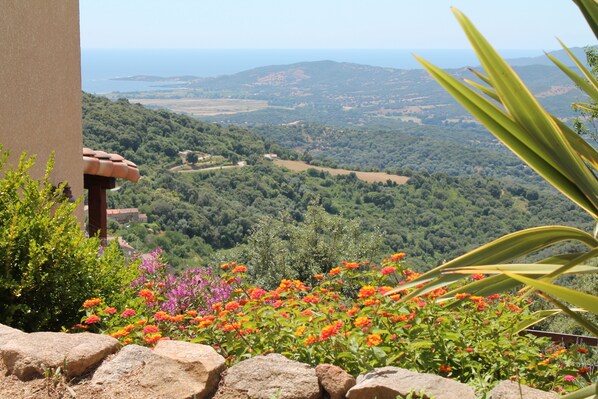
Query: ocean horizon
{"x": 100, "y": 66}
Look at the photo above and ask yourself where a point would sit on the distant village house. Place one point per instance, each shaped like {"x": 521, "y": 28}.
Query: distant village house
{"x": 126, "y": 215}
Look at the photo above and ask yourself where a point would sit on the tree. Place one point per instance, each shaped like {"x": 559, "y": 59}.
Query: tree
{"x": 586, "y": 125}
{"x": 192, "y": 157}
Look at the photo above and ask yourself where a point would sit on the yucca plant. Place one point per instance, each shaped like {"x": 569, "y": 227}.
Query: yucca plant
{"x": 506, "y": 107}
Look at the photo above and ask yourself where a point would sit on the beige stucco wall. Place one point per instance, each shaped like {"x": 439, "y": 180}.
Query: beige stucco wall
{"x": 40, "y": 85}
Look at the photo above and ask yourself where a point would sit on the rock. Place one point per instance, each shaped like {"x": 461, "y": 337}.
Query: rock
{"x": 172, "y": 370}
{"x": 511, "y": 390}
{"x": 128, "y": 360}
{"x": 28, "y": 355}
{"x": 7, "y": 332}
{"x": 273, "y": 376}
{"x": 202, "y": 360}
{"x": 388, "y": 382}
{"x": 335, "y": 381}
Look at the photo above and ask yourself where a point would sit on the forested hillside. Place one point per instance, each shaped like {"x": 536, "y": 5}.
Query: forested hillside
{"x": 340, "y": 94}
{"x": 455, "y": 151}
{"x": 196, "y": 216}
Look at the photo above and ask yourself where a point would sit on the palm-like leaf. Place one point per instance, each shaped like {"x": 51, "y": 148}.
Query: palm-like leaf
{"x": 548, "y": 146}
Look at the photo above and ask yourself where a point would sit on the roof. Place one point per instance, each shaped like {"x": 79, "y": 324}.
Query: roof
{"x": 121, "y": 211}
{"x": 100, "y": 163}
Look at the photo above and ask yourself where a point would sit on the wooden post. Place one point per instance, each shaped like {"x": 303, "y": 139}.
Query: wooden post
{"x": 96, "y": 202}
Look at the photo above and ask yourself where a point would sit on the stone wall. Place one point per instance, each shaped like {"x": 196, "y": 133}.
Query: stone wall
{"x": 95, "y": 366}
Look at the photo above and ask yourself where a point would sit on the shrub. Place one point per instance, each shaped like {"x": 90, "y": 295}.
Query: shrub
{"x": 47, "y": 266}
{"x": 346, "y": 319}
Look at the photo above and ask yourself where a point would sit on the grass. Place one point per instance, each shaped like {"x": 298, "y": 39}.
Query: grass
{"x": 371, "y": 177}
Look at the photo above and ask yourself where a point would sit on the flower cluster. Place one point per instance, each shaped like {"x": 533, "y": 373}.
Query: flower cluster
{"x": 349, "y": 318}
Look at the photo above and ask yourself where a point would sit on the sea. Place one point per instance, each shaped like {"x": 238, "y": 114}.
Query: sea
{"x": 99, "y": 67}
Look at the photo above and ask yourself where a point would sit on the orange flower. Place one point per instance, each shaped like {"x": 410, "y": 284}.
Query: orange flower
{"x": 351, "y": 265}
{"x": 91, "y": 319}
{"x": 231, "y": 326}
{"x": 310, "y": 299}
{"x": 300, "y": 330}
{"x": 477, "y": 276}
{"x": 306, "y": 312}
{"x": 191, "y": 313}
{"x": 373, "y": 340}
{"x": 361, "y": 321}
{"x": 366, "y": 291}
{"x": 352, "y": 311}
{"x": 445, "y": 368}
{"x": 318, "y": 276}
{"x": 398, "y": 256}
{"x": 310, "y": 340}
{"x": 240, "y": 269}
{"x": 330, "y": 330}
{"x": 119, "y": 334}
{"x": 145, "y": 293}
{"x": 90, "y": 303}
{"x": 371, "y": 302}
{"x": 514, "y": 308}
{"x": 388, "y": 270}
{"x": 335, "y": 270}
{"x": 383, "y": 290}
{"x": 153, "y": 338}
{"x": 224, "y": 266}
{"x": 217, "y": 307}
{"x": 462, "y": 295}
{"x": 109, "y": 310}
{"x": 232, "y": 305}
{"x": 129, "y": 327}
{"x": 141, "y": 322}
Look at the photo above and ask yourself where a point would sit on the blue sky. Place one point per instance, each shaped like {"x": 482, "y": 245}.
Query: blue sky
{"x": 328, "y": 24}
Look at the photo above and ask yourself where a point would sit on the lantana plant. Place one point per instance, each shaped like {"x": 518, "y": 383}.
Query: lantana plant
{"x": 347, "y": 319}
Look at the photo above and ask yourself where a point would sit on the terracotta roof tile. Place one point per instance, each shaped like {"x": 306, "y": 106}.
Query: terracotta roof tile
{"x": 100, "y": 163}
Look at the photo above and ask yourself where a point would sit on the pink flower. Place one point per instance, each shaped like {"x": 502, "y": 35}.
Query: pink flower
{"x": 569, "y": 378}
{"x": 128, "y": 313}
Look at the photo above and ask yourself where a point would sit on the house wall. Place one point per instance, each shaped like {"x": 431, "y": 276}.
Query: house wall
{"x": 40, "y": 86}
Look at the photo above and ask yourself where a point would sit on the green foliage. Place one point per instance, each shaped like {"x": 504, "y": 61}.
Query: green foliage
{"x": 47, "y": 265}
{"x": 346, "y": 319}
{"x": 507, "y": 108}
{"x": 586, "y": 124}
{"x": 280, "y": 248}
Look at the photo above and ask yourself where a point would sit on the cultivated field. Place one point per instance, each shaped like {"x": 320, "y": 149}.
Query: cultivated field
{"x": 203, "y": 106}
{"x": 300, "y": 166}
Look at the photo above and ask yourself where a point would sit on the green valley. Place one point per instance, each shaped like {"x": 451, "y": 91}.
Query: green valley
{"x": 199, "y": 217}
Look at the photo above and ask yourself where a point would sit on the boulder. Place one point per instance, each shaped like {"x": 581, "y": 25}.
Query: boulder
{"x": 7, "y": 332}
{"x": 27, "y": 356}
{"x": 514, "y": 390}
{"x": 173, "y": 370}
{"x": 389, "y": 382}
{"x": 334, "y": 380}
{"x": 201, "y": 360}
{"x": 128, "y": 360}
{"x": 273, "y": 375}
